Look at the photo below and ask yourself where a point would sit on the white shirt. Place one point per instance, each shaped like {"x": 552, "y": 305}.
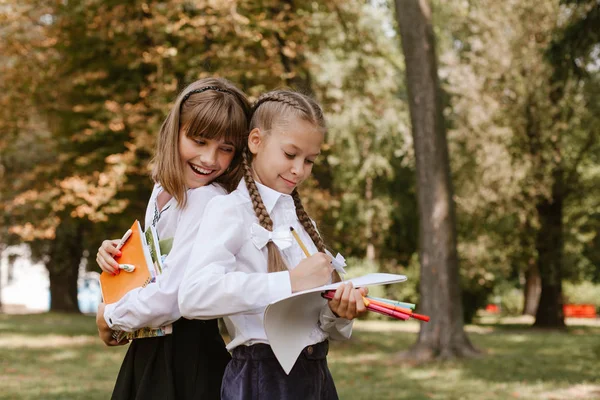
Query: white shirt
{"x": 226, "y": 275}
{"x": 156, "y": 304}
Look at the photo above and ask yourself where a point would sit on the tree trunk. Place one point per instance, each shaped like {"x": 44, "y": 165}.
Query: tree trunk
{"x": 440, "y": 297}
{"x": 549, "y": 245}
{"x": 63, "y": 265}
{"x": 532, "y": 290}
{"x": 1, "y": 280}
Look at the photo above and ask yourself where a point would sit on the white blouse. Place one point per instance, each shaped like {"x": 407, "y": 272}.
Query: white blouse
{"x": 156, "y": 304}
{"x": 226, "y": 275}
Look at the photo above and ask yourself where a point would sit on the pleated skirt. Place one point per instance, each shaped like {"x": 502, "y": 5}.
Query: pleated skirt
{"x": 187, "y": 364}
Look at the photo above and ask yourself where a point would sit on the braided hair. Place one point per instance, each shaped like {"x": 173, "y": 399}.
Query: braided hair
{"x": 269, "y": 110}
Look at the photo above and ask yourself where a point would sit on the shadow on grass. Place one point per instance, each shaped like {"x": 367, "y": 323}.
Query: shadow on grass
{"x": 516, "y": 359}
{"x": 48, "y": 323}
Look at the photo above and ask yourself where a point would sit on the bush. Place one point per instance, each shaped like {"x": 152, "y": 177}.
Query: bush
{"x": 511, "y": 299}
{"x": 581, "y": 293}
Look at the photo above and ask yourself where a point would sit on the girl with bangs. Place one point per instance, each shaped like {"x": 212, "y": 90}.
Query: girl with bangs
{"x": 245, "y": 257}
{"x": 198, "y": 156}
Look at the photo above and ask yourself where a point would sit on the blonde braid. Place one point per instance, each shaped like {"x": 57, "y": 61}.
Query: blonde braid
{"x": 310, "y": 229}
{"x": 279, "y": 97}
{"x": 275, "y": 262}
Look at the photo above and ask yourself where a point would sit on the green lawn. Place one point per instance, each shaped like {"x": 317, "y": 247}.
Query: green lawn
{"x": 52, "y": 356}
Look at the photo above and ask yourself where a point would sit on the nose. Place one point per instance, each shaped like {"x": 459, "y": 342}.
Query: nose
{"x": 209, "y": 155}
{"x": 298, "y": 166}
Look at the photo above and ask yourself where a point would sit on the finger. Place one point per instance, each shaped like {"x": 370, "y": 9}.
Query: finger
{"x": 110, "y": 247}
{"x": 109, "y": 251}
{"x": 351, "y": 311}
{"x": 360, "y": 303}
{"x": 105, "y": 266}
{"x": 364, "y": 291}
{"x": 109, "y": 259}
{"x": 335, "y": 302}
{"x": 344, "y": 300}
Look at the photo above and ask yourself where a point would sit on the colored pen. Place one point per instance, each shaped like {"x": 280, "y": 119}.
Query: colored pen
{"x": 396, "y": 303}
{"x": 375, "y": 308}
{"x": 392, "y": 307}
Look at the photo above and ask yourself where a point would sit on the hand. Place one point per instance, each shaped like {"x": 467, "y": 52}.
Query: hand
{"x": 104, "y": 330}
{"x": 106, "y": 257}
{"x": 348, "y": 302}
{"x": 311, "y": 272}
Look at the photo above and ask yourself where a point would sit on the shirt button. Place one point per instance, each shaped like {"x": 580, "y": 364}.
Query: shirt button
{"x": 309, "y": 350}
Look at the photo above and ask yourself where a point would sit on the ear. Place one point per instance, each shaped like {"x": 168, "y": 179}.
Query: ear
{"x": 255, "y": 138}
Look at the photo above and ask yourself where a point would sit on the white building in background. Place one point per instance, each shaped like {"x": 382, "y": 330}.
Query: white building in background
{"x": 25, "y": 286}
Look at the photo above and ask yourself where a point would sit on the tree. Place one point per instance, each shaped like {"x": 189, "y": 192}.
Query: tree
{"x": 511, "y": 135}
{"x": 444, "y": 336}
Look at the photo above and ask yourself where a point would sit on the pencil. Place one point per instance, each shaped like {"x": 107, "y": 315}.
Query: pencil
{"x": 302, "y": 246}
{"x": 305, "y": 250}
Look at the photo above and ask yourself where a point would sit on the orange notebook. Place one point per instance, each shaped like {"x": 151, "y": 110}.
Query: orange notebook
{"x": 136, "y": 252}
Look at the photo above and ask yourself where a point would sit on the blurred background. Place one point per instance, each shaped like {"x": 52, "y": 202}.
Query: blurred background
{"x": 85, "y": 85}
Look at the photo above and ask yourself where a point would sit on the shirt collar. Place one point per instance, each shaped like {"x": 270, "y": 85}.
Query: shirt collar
{"x": 268, "y": 195}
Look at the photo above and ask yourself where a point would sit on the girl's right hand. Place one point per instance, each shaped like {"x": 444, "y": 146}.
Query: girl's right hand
{"x": 311, "y": 272}
{"x": 106, "y": 256}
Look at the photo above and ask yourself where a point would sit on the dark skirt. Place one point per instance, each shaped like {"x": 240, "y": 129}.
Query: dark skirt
{"x": 187, "y": 364}
{"x": 255, "y": 374}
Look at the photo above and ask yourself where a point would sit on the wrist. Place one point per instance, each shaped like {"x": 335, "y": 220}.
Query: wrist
{"x": 331, "y": 309}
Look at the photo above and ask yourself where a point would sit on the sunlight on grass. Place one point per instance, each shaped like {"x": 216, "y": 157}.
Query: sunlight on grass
{"x": 54, "y": 356}
{"x": 49, "y": 341}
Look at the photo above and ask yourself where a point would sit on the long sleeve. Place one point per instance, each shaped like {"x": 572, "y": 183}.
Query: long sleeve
{"x": 216, "y": 282}
{"x": 337, "y": 328}
{"x": 156, "y": 304}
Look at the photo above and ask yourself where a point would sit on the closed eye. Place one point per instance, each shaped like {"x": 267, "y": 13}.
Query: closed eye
{"x": 289, "y": 156}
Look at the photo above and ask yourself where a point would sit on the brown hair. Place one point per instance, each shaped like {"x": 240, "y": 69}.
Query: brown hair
{"x": 212, "y": 108}
{"x": 274, "y": 109}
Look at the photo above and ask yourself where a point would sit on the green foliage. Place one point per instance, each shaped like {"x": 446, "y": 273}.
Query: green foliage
{"x": 582, "y": 293}
{"x": 510, "y": 299}
{"x": 406, "y": 291}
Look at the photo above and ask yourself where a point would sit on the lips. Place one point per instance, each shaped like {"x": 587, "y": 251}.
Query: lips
{"x": 200, "y": 170}
{"x": 288, "y": 182}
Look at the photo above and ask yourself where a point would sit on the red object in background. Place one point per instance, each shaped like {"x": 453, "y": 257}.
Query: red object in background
{"x": 492, "y": 308}
{"x": 580, "y": 310}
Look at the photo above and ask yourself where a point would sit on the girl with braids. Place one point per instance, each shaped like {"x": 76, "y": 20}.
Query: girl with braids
{"x": 244, "y": 257}
{"x": 198, "y": 156}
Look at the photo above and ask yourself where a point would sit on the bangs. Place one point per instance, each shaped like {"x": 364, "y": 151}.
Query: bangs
{"x": 218, "y": 118}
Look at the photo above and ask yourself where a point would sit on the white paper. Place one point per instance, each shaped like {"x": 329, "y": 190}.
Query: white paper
{"x": 288, "y": 322}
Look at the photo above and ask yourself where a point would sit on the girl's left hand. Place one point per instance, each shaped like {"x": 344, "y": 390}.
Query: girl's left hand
{"x": 348, "y": 302}
{"x": 104, "y": 330}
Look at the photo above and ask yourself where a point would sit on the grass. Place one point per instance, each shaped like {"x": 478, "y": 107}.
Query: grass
{"x": 53, "y": 356}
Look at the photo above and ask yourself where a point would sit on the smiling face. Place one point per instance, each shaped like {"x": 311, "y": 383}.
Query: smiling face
{"x": 203, "y": 160}
{"x": 284, "y": 157}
